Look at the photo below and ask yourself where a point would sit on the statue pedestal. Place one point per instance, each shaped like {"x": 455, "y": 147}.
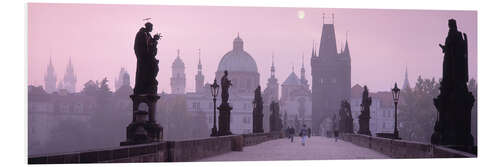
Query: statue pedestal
{"x": 224, "y": 119}
{"x": 143, "y": 128}
{"x": 258, "y": 122}
{"x": 364, "y": 125}
{"x": 453, "y": 127}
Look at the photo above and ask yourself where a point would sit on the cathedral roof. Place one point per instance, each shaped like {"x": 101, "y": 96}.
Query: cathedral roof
{"x": 292, "y": 79}
{"x": 237, "y": 59}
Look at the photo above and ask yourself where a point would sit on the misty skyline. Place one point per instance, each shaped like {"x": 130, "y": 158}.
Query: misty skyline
{"x": 382, "y": 42}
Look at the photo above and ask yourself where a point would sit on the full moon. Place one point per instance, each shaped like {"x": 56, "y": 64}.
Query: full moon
{"x": 301, "y": 14}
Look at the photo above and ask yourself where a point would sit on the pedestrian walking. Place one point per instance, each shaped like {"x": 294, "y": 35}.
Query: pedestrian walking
{"x": 292, "y": 133}
{"x": 309, "y": 132}
{"x": 336, "y": 134}
{"x": 303, "y": 134}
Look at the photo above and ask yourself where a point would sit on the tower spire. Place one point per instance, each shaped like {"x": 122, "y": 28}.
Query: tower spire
{"x": 272, "y": 65}
{"x": 406, "y": 83}
{"x": 199, "y": 60}
{"x": 178, "y": 53}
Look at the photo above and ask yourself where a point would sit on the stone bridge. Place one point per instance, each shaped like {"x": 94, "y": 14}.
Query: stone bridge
{"x": 255, "y": 147}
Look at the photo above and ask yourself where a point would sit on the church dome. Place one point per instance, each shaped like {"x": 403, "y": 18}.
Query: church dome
{"x": 237, "y": 59}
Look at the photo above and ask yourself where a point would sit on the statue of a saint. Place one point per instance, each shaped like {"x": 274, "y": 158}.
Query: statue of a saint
{"x": 225, "y": 84}
{"x": 455, "y": 69}
{"x": 147, "y": 65}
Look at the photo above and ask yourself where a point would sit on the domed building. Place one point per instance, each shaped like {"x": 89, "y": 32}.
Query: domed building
{"x": 244, "y": 76}
{"x": 242, "y": 70}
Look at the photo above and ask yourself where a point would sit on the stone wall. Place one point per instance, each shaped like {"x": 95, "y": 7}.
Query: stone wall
{"x": 257, "y": 138}
{"x": 167, "y": 151}
{"x": 403, "y": 148}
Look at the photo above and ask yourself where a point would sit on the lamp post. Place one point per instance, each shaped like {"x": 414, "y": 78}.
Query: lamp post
{"x": 395, "y": 96}
{"x": 215, "y": 90}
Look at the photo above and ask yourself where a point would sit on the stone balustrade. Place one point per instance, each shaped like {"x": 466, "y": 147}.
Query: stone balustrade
{"x": 166, "y": 151}
{"x": 403, "y": 148}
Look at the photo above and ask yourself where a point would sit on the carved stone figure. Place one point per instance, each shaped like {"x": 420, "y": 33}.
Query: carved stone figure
{"x": 364, "y": 117}
{"x": 257, "y": 112}
{"x": 455, "y": 101}
{"x": 225, "y": 108}
{"x": 145, "y": 48}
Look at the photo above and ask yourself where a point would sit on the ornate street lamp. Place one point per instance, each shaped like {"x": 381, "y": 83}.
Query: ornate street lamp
{"x": 395, "y": 96}
{"x": 215, "y": 90}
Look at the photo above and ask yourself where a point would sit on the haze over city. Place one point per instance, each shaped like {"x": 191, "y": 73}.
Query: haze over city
{"x": 99, "y": 40}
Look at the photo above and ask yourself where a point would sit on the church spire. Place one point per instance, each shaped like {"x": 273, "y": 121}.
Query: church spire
{"x": 50, "y": 78}
{"x": 69, "y": 81}
{"x": 272, "y": 66}
{"x": 199, "y": 60}
{"x": 406, "y": 83}
{"x": 199, "y": 78}
{"x": 303, "y": 74}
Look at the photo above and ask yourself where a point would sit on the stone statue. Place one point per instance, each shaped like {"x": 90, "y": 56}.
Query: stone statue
{"x": 274, "y": 119}
{"x": 147, "y": 65}
{"x": 455, "y": 101}
{"x": 345, "y": 124}
{"x": 257, "y": 112}
{"x": 225, "y": 108}
{"x": 144, "y": 128}
{"x": 225, "y": 84}
{"x": 364, "y": 117}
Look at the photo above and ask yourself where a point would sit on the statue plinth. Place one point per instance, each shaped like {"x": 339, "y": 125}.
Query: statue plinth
{"x": 364, "y": 124}
{"x": 224, "y": 119}
{"x": 143, "y": 128}
{"x": 453, "y": 127}
{"x": 258, "y": 122}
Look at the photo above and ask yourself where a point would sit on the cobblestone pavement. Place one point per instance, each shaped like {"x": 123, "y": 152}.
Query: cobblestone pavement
{"x": 316, "y": 148}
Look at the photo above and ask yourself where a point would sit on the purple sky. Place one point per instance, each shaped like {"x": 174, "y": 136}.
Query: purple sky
{"x": 99, "y": 39}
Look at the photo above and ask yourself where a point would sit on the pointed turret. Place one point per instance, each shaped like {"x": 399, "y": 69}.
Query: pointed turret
{"x": 346, "y": 49}
{"x": 50, "y": 78}
{"x": 303, "y": 79}
{"x": 69, "y": 81}
{"x": 199, "y": 76}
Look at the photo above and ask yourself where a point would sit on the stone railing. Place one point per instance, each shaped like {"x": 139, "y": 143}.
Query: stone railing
{"x": 257, "y": 138}
{"x": 403, "y": 148}
{"x": 167, "y": 151}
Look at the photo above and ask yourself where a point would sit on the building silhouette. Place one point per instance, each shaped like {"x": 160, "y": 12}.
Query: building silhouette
{"x": 69, "y": 81}
{"x": 50, "y": 78}
{"x": 331, "y": 78}
{"x": 295, "y": 100}
{"x": 121, "y": 79}
{"x": 178, "y": 79}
